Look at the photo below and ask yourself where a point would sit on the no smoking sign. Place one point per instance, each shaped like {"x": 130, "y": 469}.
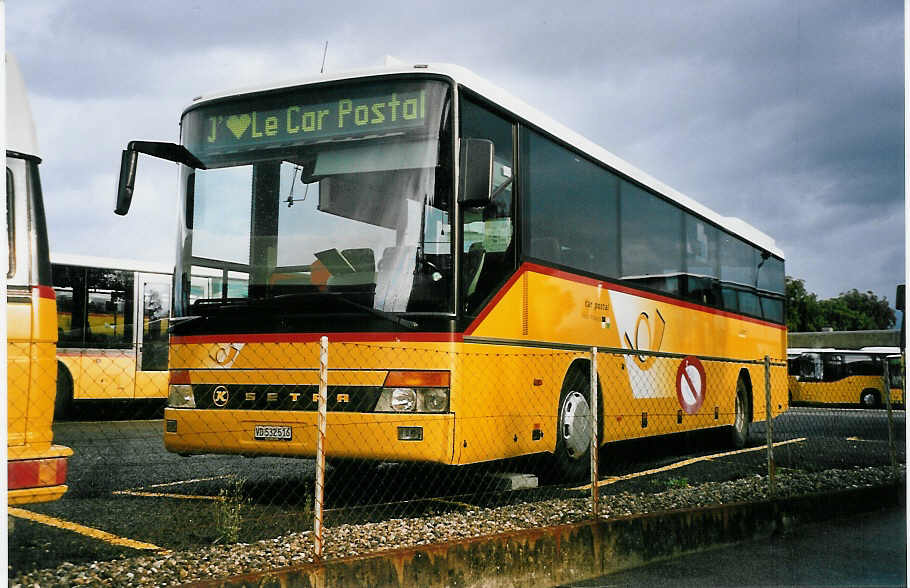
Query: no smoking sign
{"x": 690, "y": 384}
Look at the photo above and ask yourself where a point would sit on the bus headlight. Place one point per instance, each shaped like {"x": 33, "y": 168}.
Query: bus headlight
{"x": 180, "y": 396}
{"x": 435, "y": 399}
{"x": 404, "y": 400}
{"x": 413, "y": 400}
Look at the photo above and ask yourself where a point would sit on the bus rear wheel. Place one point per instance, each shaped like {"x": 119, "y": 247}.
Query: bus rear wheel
{"x": 869, "y": 398}
{"x": 741, "y": 418}
{"x": 63, "y": 401}
{"x": 573, "y": 435}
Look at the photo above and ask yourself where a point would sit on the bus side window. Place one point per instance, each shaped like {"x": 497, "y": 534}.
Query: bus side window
{"x": 810, "y": 367}
{"x": 488, "y": 252}
{"x": 835, "y": 368}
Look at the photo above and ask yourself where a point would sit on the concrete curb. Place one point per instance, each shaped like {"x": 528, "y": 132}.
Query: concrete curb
{"x": 571, "y": 553}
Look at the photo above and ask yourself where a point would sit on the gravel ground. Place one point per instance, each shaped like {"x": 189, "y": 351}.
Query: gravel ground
{"x": 173, "y": 568}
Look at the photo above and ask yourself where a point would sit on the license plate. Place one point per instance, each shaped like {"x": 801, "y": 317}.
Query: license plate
{"x": 272, "y": 433}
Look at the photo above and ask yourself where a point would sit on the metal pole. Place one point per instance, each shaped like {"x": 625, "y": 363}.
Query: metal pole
{"x": 320, "y": 444}
{"x": 769, "y": 427}
{"x": 886, "y": 381}
{"x": 594, "y": 447}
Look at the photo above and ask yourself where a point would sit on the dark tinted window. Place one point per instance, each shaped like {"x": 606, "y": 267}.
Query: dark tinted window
{"x": 737, "y": 261}
{"x": 771, "y": 275}
{"x": 571, "y": 208}
{"x": 110, "y": 309}
{"x": 702, "y": 262}
{"x": 772, "y": 309}
{"x": 862, "y": 365}
{"x": 69, "y": 287}
{"x": 651, "y": 234}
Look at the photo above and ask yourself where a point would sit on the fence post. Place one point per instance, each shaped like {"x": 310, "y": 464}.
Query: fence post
{"x": 594, "y": 445}
{"x": 769, "y": 427}
{"x": 886, "y": 386}
{"x": 320, "y": 445}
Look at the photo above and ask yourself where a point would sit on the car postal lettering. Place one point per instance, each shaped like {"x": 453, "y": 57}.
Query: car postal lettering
{"x": 295, "y": 122}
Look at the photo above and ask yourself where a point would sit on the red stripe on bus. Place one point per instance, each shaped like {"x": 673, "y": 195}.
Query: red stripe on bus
{"x": 45, "y": 292}
{"x": 314, "y": 337}
{"x": 556, "y": 273}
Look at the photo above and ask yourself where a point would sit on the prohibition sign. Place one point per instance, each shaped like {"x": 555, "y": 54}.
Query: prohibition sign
{"x": 690, "y": 384}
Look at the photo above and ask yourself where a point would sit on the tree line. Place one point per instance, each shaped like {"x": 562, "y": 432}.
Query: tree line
{"x": 851, "y": 311}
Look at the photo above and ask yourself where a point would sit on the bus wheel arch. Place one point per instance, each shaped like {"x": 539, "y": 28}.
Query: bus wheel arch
{"x": 742, "y": 410}
{"x": 870, "y": 398}
{"x": 572, "y": 454}
{"x": 63, "y": 401}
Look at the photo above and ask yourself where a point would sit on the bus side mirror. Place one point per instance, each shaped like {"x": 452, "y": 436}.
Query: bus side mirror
{"x": 128, "y": 162}
{"x": 899, "y": 298}
{"x": 130, "y": 157}
{"x": 476, "y": 181}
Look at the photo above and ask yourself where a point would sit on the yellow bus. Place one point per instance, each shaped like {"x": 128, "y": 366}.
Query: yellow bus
{"x": 112, "y": 318}
{"x": 844, "y": 376}
{"x": 36, "y": 468}
{"x": 441, "y": 234}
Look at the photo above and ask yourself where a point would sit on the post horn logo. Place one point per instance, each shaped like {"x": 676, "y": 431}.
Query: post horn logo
{"x": 220, "y": 396}
{"x": 647, "y": 338}
{"x": 226, "y": 353}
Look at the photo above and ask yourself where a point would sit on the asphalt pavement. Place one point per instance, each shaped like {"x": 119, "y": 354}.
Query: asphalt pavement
{"x": 862, "y": 550}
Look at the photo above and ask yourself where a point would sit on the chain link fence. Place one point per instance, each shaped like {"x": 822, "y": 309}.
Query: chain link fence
{"x": 422, "y": 442}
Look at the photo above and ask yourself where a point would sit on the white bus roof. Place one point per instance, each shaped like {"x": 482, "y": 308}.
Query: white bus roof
{"x": 502, "y": 98}
{"x": 111, "y": 263}
{"x": 20, "y": 126}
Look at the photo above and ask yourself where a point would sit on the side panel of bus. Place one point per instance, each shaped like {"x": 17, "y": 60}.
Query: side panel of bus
{"x": 36, "y": 469}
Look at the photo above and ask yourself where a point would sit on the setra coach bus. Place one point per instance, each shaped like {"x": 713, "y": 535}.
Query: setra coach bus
{"x": 436, "y": 229}
{"x": 36, "y": 468}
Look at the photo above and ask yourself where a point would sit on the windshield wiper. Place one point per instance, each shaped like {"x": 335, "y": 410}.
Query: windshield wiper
{"x": 389, "y": 316}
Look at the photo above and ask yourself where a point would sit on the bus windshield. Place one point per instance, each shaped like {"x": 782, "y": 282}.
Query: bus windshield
{"x": 324, "y": 202}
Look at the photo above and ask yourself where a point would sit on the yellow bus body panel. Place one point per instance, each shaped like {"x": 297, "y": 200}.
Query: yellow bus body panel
{"x": 503, "y": 398}
{"x": 843, "y": 391}
{"x": 110, "y": 374}
{"x": 31, "y": 374}
{"x": 31, "y": 390}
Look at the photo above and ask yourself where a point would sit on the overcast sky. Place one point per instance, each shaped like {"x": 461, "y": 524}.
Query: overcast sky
{"x": 788, "y": 114}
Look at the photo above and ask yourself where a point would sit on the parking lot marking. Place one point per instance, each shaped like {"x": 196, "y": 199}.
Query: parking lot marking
{"x": 87, "y": 531}
{"x": 167, "y": 495}
{"x": 141, "y": 490}
{"x": 679, "y": 464}
{"x": 179, "y": 482}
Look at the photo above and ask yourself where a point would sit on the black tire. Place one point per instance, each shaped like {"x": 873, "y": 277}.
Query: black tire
{"x": 63, "y": 401}
{"x": 742, "y": 417}
{"x": 870, "y": 398}
{"x": 572, "y": 458}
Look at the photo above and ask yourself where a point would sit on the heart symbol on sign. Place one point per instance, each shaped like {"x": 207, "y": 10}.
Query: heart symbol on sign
{"x": 238, "y": 124}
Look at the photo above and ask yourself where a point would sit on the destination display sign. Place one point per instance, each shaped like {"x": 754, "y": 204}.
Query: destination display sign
{"x": 231, "y": 127}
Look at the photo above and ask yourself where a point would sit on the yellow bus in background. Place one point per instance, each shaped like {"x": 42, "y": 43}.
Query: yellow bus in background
{"x": 844, "y": 376}
{"x": 112, "y": 318}
{"x": 36, "y": 468}
{"x": 442, "y": 234}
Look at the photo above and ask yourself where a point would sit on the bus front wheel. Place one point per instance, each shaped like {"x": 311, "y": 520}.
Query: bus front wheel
{"x": 573, "y": 436}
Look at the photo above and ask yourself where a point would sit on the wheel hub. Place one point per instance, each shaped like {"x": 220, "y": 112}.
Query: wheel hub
{"x": 575, "y": 424}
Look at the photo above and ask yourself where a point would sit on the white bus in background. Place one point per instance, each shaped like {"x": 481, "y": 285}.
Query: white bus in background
{"x": 112, "y": 317}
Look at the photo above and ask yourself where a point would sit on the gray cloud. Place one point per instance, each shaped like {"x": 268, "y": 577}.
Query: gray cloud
{"x": 787, "y": 114}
